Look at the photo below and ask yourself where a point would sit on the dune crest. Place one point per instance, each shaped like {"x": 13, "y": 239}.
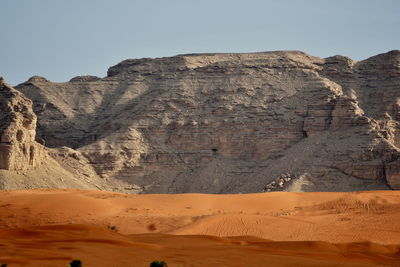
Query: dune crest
{"x": 281, "y": 216}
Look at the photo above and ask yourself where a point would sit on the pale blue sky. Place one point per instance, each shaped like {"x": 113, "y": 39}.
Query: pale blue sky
{"x": 60, "y": 39}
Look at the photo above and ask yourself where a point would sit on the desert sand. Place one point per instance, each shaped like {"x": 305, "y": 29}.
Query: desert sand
{"x": 51, "y": 227}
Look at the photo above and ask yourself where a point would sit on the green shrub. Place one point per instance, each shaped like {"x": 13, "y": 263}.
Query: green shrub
{"x": 113, "y": 227}
{"x": 75, "y": 263}
{"x": 158, "y": 264}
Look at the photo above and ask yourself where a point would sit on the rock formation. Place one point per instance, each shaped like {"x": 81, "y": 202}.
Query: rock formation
{"x": 27, "y": 163}
{"x": 229, "y": 123}
{"x": 18, "y": 149}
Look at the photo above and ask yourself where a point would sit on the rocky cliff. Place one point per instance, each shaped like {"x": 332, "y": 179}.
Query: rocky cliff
{"x": 18, "y": 149}
{"x": 24, "y": 160}
{"x": 229, "y": 123}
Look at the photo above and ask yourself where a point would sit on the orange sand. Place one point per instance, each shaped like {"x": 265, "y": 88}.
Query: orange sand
{"x": 51, "y": 227}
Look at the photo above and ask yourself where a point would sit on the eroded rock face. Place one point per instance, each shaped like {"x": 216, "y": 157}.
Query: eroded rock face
{"x": 18, "y": 149}
{"x": 392, "y": 172}
{"x": 226, "y": 123}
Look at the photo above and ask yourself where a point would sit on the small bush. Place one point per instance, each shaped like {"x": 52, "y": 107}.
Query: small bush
{"x": 113, "y": 227}
{"x": 158, "y": 264}
{"x": 75, "y": 263}
{"x": 151, "y": 227}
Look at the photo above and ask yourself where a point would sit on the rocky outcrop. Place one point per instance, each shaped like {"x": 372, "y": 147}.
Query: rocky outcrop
{"x": 228, "y": 123}
{"x": 392, "y": 173}
{"x": 18, "y": 149}
{"x": 26, "y": 163}
{"x": 374, "y": 84}
{"x": 86, "y": 78}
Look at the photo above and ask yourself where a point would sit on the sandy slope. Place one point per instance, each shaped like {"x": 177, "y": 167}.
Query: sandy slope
{"x": 57, "y": 245}
{"x": 371, "y": 218}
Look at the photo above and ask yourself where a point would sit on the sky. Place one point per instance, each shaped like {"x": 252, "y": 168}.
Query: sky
{"x": 60, "y": 39}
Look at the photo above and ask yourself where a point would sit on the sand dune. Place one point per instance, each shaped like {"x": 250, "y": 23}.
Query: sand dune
{"x": 58, "y": 245}
{"x": 51, "y": 227}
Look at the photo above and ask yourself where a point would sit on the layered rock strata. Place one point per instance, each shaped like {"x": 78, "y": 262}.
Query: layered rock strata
{"x": 26, "y": 163}
{"x": 229, "y": 123}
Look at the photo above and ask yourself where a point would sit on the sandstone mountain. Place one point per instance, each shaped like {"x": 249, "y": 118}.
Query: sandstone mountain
{"x": 25, "y": 163}
{"x": 223, "y": 123}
